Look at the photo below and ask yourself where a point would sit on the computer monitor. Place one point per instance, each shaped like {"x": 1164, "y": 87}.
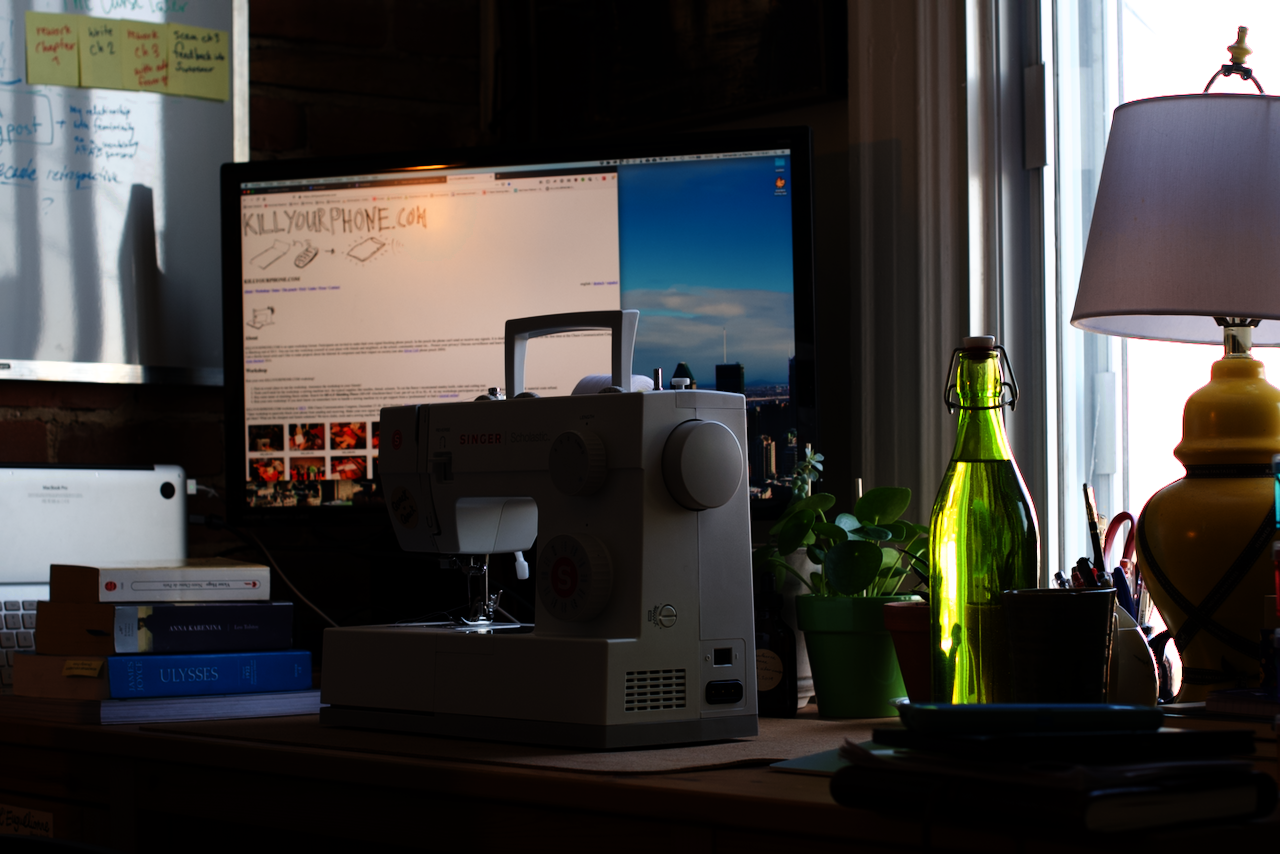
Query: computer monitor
{"x": 355, "y": 283}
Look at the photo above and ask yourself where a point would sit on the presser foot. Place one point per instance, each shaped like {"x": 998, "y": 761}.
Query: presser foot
{"x": 482, "y": 610}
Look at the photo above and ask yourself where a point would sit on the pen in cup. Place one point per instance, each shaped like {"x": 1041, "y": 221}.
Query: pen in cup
{"x": 1095, "y": 538}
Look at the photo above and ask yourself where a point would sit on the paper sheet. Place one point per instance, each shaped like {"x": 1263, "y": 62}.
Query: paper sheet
{"x": 51, "y": 49}
{"x": 146, "y": 56}
{"x": 199, "y": 62}
{"x": 101, "y": 53}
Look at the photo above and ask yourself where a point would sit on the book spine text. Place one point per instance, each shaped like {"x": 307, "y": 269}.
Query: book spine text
{"x": 216, "y": 673}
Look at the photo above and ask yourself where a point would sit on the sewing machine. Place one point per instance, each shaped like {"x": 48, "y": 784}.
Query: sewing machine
{"x": 643, "y": 632}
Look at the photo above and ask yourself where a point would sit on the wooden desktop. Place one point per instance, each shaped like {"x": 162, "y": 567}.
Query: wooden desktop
{"x": 206, "y": 787}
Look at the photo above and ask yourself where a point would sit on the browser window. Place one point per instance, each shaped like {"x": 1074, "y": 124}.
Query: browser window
{"x": 386, "y": 285}
{"x": 361, "y": 292}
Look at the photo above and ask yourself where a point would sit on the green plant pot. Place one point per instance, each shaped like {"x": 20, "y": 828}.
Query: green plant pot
{"x": 855, "y": 668}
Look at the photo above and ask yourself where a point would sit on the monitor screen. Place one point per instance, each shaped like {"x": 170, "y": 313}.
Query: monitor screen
{"x": 357, "y": 283}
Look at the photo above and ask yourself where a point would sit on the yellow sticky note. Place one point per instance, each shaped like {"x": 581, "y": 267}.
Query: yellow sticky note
{"x": 146, "y": 56}
{"x": 51, "y": 49}
{"x": 101, "y": 53}
{"x": 199, "y": 62}
{"x": 91, "y": 667}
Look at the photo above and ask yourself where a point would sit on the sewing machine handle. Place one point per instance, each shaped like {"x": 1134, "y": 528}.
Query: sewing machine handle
{"x": 621, "y": 323}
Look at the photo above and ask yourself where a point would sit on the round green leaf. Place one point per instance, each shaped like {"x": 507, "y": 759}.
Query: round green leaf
{"x": 819, "y": 502}
{"x": 794, "y": 530}
{"x": 832, "y": 532}
{"x": 871, "y": 532}
{"x": 899, "y": 532}
{"x": 882, "y": 505}
{"x": 814, "y": 504}
{"x": 786, "y": 515}
{"x": 852, "y": 565}
{"x": 848, "y": 522}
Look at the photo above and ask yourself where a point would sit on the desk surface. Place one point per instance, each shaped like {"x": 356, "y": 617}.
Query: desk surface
{"x": 134, "y": 788}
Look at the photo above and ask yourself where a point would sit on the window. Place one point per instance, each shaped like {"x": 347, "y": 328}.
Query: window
{"x": 1121, "y": 399}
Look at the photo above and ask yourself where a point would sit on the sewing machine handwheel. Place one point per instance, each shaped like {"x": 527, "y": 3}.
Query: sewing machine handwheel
{"x": 577, "y": 462}
{"x": 575, "y": 577}
{"x": 702, "y": 464}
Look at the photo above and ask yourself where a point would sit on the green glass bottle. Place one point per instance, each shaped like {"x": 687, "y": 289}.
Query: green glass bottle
{"x": 983, "y": 536}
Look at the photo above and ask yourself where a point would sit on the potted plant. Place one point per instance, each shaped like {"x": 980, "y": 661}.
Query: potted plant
{"x": 862, "y": 559}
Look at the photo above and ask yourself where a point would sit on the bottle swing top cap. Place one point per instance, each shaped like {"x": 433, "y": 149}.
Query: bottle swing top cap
{"x": 978, "y": 342}
{"x": 984, "y": 345}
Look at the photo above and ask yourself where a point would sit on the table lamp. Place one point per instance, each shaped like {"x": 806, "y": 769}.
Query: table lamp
{"x": 1185, "y": 246}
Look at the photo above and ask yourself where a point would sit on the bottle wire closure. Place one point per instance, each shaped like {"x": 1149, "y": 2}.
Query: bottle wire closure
{"x": 949, "y": 392}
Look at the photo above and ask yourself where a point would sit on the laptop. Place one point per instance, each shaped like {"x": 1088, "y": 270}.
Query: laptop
{"x": 70, "y": 514}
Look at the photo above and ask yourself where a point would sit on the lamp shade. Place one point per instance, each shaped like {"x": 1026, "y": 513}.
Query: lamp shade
{"x": 1186, "y": 226}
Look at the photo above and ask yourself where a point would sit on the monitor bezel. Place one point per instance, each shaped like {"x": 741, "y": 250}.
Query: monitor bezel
{"x": 797, "y": 139}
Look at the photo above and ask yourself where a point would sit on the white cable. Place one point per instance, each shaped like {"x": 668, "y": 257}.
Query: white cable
{"x": 286, "y": 580}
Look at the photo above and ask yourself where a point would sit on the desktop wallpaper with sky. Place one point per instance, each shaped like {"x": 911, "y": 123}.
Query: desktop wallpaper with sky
{"x": 706, "y": 258}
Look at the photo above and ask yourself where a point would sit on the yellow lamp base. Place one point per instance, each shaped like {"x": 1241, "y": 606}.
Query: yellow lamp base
{"x": 1204, "y": 544}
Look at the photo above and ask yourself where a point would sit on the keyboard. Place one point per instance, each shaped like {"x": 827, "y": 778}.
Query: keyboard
{"x": 18, "y": 635}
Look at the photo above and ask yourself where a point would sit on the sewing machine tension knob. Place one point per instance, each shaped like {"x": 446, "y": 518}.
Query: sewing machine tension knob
{"x": 575, "y": 577}
{"x": 702, "y": 464}
{"x": 577, "y": 462}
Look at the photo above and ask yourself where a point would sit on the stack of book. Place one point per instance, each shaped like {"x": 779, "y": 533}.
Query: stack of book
{"x": 187, "y": 640}
{"x": 1246, "y": 702}
{"x": 1058, "y": 795}
{"x": 1057, "y": 769}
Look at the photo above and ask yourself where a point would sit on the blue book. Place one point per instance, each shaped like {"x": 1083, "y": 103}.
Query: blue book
{"x": 212, "y": 673}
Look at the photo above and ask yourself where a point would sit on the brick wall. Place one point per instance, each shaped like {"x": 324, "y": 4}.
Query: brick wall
{"x": 335, "y": 77}
{"x": 97, "y": 424}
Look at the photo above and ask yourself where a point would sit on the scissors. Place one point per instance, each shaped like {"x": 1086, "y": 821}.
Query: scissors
{"x": 1124, "y": 597}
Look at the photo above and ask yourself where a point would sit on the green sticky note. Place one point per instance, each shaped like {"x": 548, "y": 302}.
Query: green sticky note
{"x": 146, "y": 56}
{"x": 101, "y": 53}
{"x": 51, "y": 49}
{"x": 199, "y": 62}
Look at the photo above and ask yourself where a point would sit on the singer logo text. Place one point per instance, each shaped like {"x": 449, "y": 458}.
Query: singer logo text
{"x": 480, "y": 439}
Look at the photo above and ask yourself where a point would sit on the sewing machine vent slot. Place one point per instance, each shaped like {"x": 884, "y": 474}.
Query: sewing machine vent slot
{"x": 654, "y": 690}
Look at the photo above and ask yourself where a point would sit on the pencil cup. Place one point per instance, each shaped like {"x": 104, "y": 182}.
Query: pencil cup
{"x": 1059, "y": 643}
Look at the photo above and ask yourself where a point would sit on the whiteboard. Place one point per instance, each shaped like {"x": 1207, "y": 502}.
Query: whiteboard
{"x": 110, "y": 252}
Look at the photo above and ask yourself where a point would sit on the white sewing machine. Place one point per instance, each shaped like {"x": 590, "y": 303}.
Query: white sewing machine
{"x": 643, "y": 631}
